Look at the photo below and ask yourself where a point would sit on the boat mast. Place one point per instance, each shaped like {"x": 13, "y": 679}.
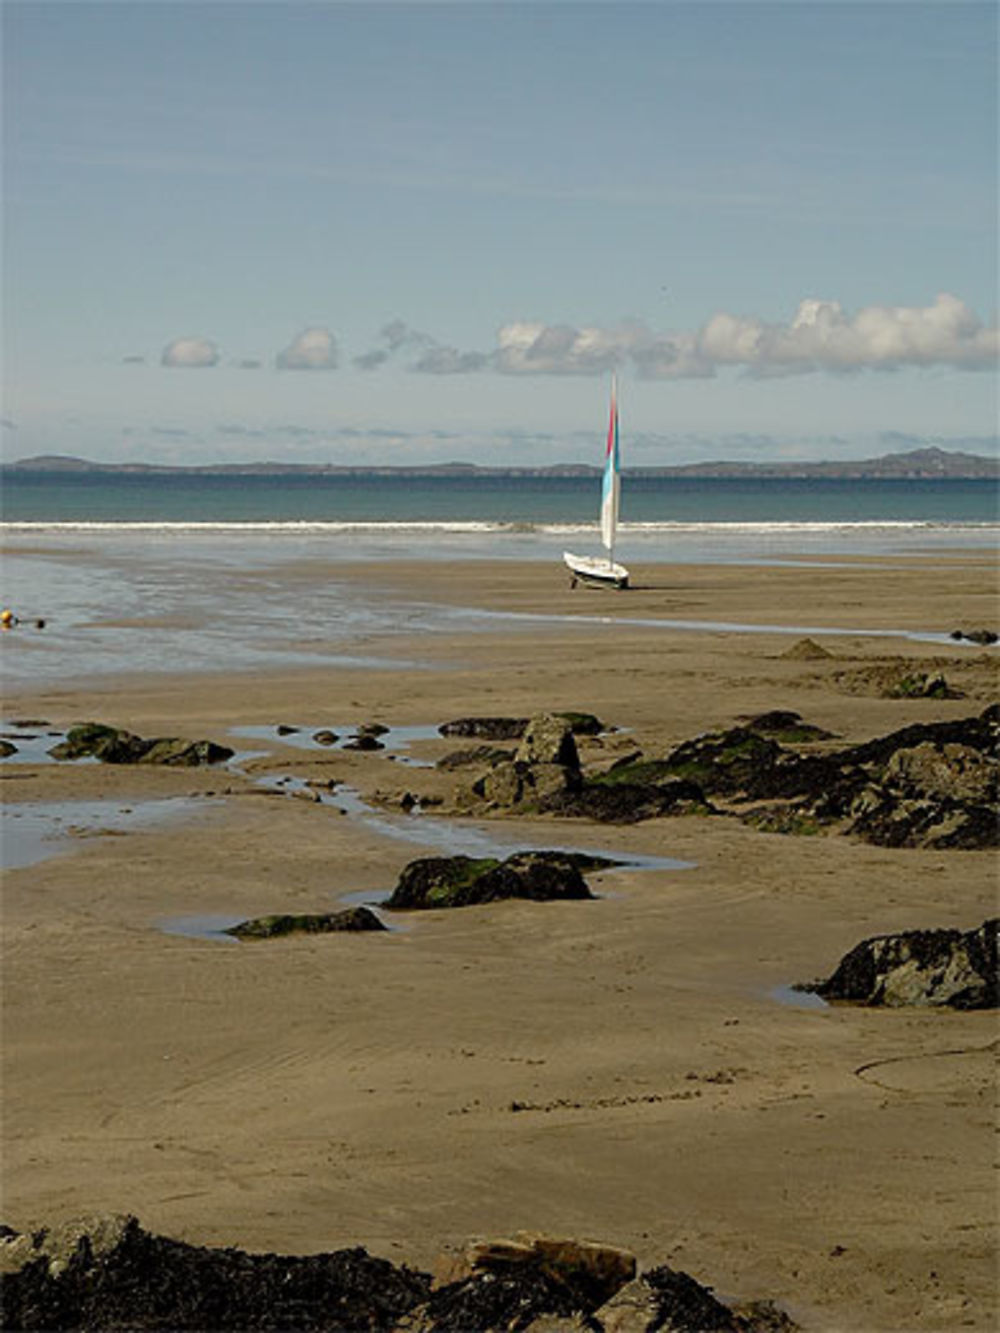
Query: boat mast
{"x": 611, "y": 476}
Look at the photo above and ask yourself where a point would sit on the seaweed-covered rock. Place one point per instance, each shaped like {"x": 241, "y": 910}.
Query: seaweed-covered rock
{"x": 317, "y": 923}
{"x": 486, "y": 728}
{"x": 724, "y": 762}
{"x": 531, "y": 1282}
{"x": 929, "y": 968}
{"x": 115, "y": 745}
{"x": 461, "y": 881}
{"x": 109, "y": 1273}
{"x": 483, "y": 756}
{"x": 509, "y": 1301}
{"x": 325, "y": 736}
{"x": 978, "y": 733}
{"x": 112, "y": 745}
{"x": 921, "y": 685}
{"x": 786, "y": 726}
{"x": 629, "y": 802}
{"x": 667, "y": 1299}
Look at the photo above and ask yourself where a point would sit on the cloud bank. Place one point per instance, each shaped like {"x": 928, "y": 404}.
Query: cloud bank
{"x": 822, "y": 336}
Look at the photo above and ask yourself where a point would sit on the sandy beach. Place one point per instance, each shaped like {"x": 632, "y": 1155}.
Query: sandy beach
{"x": 620, "y": 1070}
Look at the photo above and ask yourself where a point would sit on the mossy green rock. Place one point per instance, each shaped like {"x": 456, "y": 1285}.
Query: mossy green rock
{"x": 462, "y": 881}
{"x": 320, "y": 923}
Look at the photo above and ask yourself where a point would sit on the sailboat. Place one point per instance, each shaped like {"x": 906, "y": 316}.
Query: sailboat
{"x": 598, "y": 571}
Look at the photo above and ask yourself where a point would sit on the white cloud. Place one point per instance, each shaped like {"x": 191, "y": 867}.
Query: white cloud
{"x": 821, "y": 336}
{"x": 313, "y": 349}
{"x": 190, "y": 352}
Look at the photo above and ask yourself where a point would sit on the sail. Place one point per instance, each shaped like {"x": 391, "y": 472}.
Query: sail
{"x": 612, "y": 483}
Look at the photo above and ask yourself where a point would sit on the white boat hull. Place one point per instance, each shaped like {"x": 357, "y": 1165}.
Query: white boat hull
{"x": 595, "y": 572}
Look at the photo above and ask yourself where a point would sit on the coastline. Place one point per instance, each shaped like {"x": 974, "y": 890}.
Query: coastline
{"x": 308, "y": 1093}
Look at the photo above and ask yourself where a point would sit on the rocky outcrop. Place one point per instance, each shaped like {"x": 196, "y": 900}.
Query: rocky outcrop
{"x": 928, "y": 968}
{"x": 513, "y": 728}
{"x": 319, "y": 923}
{"x": 108, "y": 1273}
{"x": 548, "y": 739}
{"x": 667, "y": 1299}
{"x": 624, "y": 802}
{"x": 115, "y": 745}
{"x": 926, "y": 785}
{"x": 546, "y": 764}
{"x": 461, "y": 881}
{"x": 479, "y": 756}
{"x": 486, "y": 728}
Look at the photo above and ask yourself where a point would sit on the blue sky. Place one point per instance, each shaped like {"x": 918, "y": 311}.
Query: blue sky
{"x": 411, "y": 232}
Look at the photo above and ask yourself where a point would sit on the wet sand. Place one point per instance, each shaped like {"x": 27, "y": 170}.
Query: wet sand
{"x": 619, "y": 1070}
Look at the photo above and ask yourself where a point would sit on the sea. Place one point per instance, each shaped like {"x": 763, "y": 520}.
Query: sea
{"x": 138, "y": 572}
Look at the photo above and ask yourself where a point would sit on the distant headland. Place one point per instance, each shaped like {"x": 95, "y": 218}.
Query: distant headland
{"x": 921, "y": 464}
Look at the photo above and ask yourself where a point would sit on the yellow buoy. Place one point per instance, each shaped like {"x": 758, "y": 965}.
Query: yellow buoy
{"x": 6, "y": 617}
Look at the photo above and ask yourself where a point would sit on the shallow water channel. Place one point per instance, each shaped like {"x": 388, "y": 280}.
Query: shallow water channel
{"x": 34, "y": 832}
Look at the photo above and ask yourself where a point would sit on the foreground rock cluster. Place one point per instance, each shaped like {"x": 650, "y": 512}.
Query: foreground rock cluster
{"x": 109, "y": 1273}
{"x": 927, "y": 785}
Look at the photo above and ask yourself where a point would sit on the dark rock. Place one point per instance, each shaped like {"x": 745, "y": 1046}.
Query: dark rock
{"x": 372, "y": 729}
{"x": 979, "y": 733}
{"x": 111, "y": 1274}
{"x": 364, "y": 740}
{"x": 461, "y": 881}
{"x": 6, "y": 749}
{"x": 28, "y": 723}
{"x": 115, "y": 745}
{"x": 511, "y": 1300}
{"x": 283, "y": 729}
{"x": 981, "y": 636}
{"x": 325, "y": 737}
{"x": 667, "y": 1299}
{"x": 513, "y": 728}
{"x": 486, "y": 728}
{"x": 920, "y": 967}
{"x": 787, "y": 727}
{"x": 271, "y": 927}
{"x": 483, "y": 755}
{"x": 724, "y": 763}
